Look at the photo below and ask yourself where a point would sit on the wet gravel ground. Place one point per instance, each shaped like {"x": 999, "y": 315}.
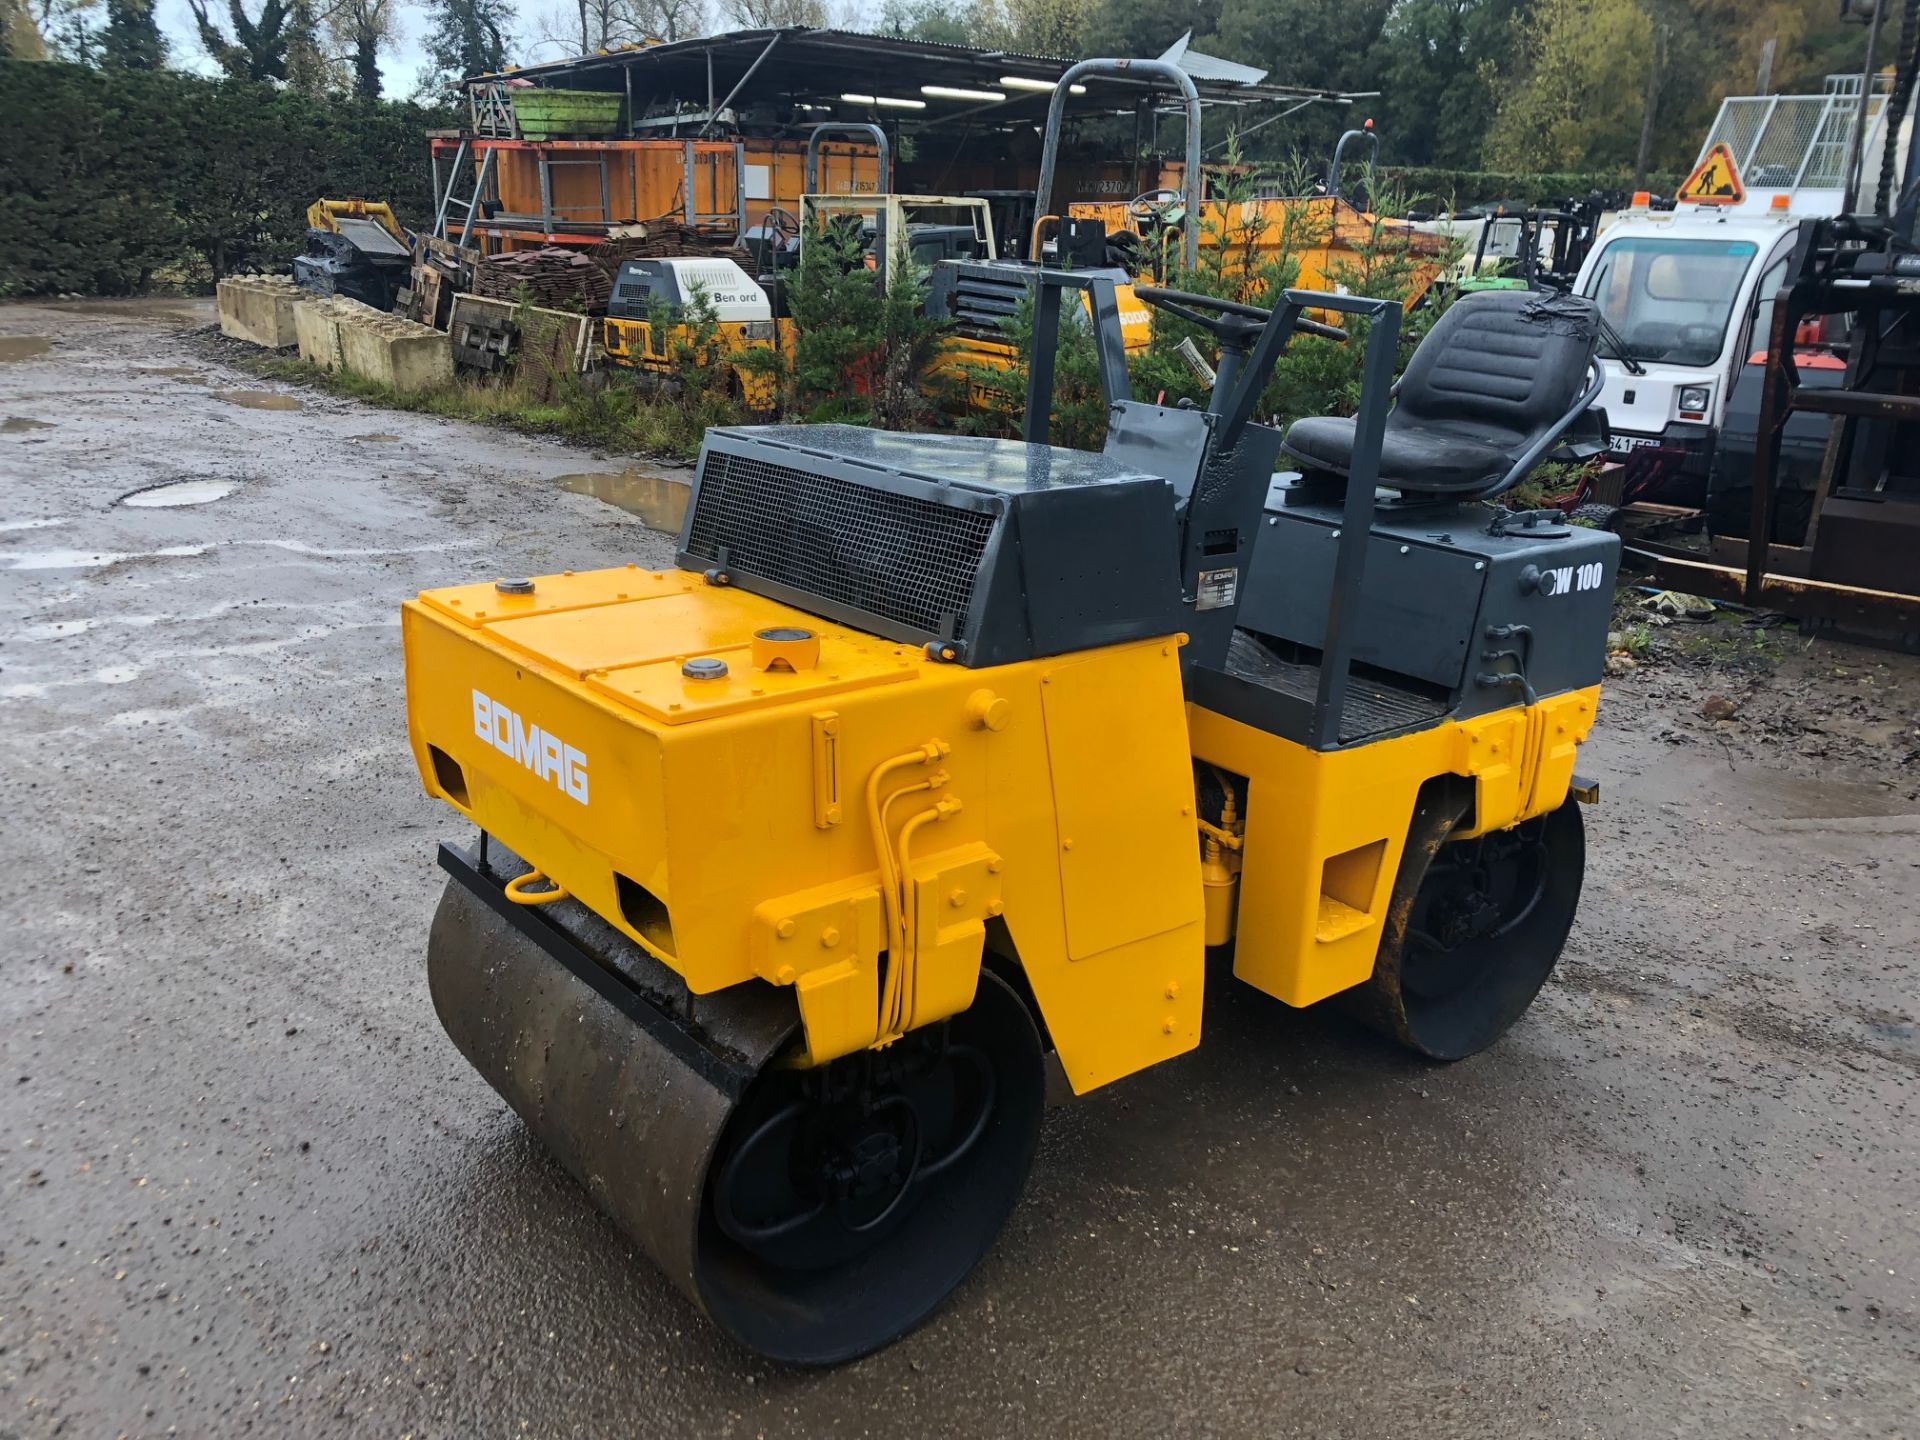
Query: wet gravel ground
{"x": 247, "y": 1187}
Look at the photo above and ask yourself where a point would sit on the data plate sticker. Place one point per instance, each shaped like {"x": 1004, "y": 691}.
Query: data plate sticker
{"x": 1217, "y": 589}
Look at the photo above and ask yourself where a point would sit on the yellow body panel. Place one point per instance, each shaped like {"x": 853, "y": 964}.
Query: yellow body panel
{"x": 1325, "y": 829}
{"x": 636, "y": 345}
{"x": 962, "y": 353}
{"x": 568, "y": 731}
{"x": 1324, "y": 236}
{"x": 322, "y": 215}
{"x": 824, "y": 804}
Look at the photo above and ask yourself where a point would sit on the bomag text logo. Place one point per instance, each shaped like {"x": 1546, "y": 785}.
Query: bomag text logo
{"x": 541, "y": 751}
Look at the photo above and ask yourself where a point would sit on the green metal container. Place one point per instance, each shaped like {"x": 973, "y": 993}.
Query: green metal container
{"x": 563, "y": 114}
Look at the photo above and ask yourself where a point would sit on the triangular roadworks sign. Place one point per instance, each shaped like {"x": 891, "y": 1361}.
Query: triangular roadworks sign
{"x": 1714, "y": 181}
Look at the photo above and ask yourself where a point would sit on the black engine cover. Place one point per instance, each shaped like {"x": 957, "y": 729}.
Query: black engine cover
{"x": 998, "y": 549}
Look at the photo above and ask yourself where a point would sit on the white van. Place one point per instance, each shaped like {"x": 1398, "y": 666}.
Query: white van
{"x": 1687, "y": 294}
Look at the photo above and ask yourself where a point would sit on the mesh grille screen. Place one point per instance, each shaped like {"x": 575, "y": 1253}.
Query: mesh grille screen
{"x": 902, "y": 559}
{"x": 985, "y": 303}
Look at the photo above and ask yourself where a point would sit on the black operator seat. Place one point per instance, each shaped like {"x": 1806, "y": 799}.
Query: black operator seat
{"x": 1490, "y": 390}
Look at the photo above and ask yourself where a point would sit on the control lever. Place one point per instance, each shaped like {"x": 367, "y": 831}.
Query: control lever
{"x": 1190, "y": 355}
{"x": 1231, "y": 323}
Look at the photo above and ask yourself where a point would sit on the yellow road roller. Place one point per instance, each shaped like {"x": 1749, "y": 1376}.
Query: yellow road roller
{"x": 939, "y": 763}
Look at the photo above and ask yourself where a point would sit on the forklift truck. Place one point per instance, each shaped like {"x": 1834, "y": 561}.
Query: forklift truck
{"x": 938, "y": 760}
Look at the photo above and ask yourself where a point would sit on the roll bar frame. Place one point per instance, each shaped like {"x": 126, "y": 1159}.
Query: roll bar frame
{"x": 1339, "y": 156}
{"x": 1056, "y": 115}
{"x": 846, "y": 130}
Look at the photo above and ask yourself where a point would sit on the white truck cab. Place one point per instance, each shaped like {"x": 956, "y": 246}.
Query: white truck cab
{"x": 1687, "y": 295}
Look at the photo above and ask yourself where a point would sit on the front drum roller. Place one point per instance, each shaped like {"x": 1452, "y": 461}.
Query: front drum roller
{"x": 1474, "y": 928}
{"x": 813, "y": 1215}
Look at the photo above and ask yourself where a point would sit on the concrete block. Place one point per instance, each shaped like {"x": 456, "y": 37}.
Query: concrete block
{"x": 316, "y": 324}
{"x": 259, "y": 309}
{"x": 393, "y": 351}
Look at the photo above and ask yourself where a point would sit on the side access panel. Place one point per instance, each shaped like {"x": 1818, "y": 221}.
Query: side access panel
{"x": 1126, "y": 989}
{"x": 1325, "y": 830}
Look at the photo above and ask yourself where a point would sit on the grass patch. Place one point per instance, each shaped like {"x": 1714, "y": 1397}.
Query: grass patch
{"x": 616, "y": 415}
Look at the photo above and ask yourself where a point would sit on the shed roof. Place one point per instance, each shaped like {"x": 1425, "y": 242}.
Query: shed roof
{"x": 1202, "y": 66}
{"x": 819, "y": 66}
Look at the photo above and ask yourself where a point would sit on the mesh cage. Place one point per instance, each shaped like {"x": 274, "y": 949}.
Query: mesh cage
{"x": 906, "y": 561}
{"x": 1784, "y": 142}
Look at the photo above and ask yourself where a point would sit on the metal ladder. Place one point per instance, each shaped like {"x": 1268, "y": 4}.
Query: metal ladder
{"x": 450, "y": 200}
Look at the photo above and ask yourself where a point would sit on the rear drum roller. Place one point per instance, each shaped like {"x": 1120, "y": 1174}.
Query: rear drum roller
{"x": 815, "y": 1215}
{"x": 1475, "y": 928}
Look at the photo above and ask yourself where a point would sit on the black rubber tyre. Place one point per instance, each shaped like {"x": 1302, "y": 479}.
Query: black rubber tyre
{"x": 1475, "y": 928}
{"x": 844, "y": 1205}
{"x": 1599, "y": 516}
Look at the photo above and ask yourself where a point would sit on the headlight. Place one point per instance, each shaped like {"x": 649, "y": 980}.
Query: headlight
{"x": 1694, "y": 397}
{"x": 759, "y": 330}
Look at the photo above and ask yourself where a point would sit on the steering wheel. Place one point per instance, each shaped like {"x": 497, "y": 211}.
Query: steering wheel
{"x": 1156, "y": 207}
{"x": 784, "y": 222}
{"x": 1234, "y": 325}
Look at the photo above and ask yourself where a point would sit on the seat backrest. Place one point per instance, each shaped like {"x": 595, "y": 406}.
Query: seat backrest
{"x": 1505, "y": 360}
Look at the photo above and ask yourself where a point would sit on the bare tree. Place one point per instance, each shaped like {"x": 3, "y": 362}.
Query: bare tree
{"x": 361, "y": 29}
{"x": 310, "y": 69}
{"x": 771, "y": 14}
{"x": 671, "y": 19}
{"x": 592, "y": 25}
{"x": 258, "y": 49}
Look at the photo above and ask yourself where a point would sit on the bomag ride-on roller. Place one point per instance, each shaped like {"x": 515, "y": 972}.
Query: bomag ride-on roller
{"x": 938, "y": 761}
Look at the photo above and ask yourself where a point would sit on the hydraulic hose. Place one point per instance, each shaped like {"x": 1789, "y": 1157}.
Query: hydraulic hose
{"x": 883, "y": 849}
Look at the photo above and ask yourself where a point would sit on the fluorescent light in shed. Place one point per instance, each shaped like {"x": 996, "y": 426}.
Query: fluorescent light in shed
{"x": 949, "y": 92}
{"x": 1020, "y": 82}
{"x": 885, "y": 100}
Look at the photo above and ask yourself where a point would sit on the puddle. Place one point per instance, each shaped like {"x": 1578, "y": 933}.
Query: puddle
{"x": 23, "y": 347}
{"x": 97, "y": 559}
{"x": 20, "y": 424}
{"x": 375, "y": 439}
{"x": 659, "y": 502}
{"x": 176, "y": 372}
{"x": 1825, "y": 803}
{"x": 176, "y": 309}
{"x": 58, "y": 629}
{"x": 9, "y": 526}
{"x": 260, "y": 399}
{"x": 88, "y": 559}
{"x": 179, "y": 492}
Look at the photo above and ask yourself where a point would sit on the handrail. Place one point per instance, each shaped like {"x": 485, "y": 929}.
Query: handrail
{"x": 1152, "y": 69}
{"x": 1547, "y": 439}
{"x": 883, "y": 176}
{"x": 1109, "y": 349}
{"x": 1356, "y": 515}
{"x": 1340, "y": 150}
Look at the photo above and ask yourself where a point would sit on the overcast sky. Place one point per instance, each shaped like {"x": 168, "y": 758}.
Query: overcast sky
{"x": 399, "y": 67}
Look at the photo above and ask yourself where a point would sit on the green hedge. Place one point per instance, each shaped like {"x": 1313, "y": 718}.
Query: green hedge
{"x": 112, "y": 179}
{"x": 1478, "y": 187}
